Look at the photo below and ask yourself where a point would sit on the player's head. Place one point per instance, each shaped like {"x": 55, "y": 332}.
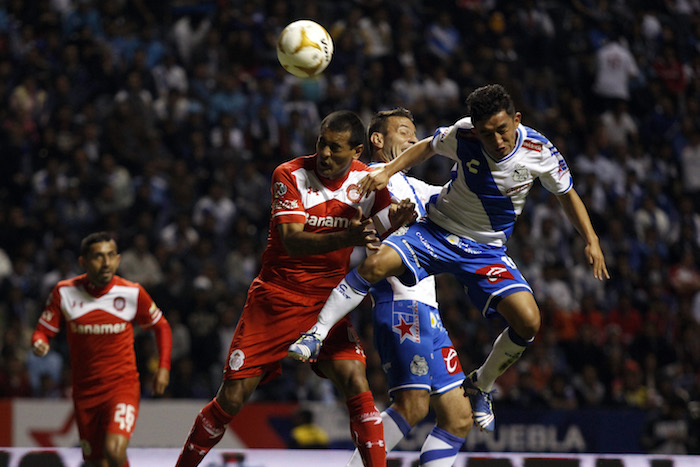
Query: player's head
{"x": 390, "y": 133}
{"x": 495, "y": 119}
{"x": 340, "y": 141}
{"x": 99, "y": 257}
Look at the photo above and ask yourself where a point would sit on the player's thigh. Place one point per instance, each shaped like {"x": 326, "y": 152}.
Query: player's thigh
{"x": 90, "y": 418}
{"x": 123, "y": 412}
{"x": 272, "y": 318}
{"x": 384, "y": 263}
{"x": 521, "y": 312}
{"x": 349, "y": 376}
{"x": 453, "y": 411}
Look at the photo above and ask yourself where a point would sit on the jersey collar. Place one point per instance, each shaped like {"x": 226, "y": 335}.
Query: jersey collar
{"x": 94, "y": 290}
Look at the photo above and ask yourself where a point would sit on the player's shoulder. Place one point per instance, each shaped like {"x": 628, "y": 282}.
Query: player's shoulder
{"x": 463, "y": 129}
{"x": 118, "y": 280}
{"x": 72, "y": 282}
{"x": 295, "y": 164}
{"x": 533, "y": 139}
{"x": 359, "y": 166}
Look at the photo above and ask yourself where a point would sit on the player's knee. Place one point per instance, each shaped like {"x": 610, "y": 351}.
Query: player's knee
{"x": 230, "y": 399}
{"x": 531, "y": 324}
{"x": 376, "y": 267}
{"x": 115, "y": 454}
{"x": 413, "y": 409}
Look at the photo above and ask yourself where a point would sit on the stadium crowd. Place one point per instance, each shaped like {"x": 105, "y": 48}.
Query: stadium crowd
{"x": 162, "y": 121}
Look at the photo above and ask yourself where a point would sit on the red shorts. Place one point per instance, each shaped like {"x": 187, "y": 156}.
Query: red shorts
{"x": 115, "y": 411}
{"x": 273, "y": 318}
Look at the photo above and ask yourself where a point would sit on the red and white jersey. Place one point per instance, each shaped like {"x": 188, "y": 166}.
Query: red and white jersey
{"x": 299, "y": 195}
{"x": 99, "y": 328}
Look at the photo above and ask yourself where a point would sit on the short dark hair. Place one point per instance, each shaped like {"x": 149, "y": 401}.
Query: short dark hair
{"x": 487, "y": 101}
{"x": 346, "y": 120}
{"x": 380, "y": 120}
{"x": 95, "y": 237}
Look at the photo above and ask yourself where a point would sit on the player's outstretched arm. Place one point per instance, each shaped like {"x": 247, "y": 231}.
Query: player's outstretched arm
{"x": 578, "y": 215}
{"x": 379, "y": 178}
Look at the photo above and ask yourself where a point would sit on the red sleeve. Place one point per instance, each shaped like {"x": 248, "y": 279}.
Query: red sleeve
{"x": 382, "y": 200}
{"x": 147, "y": 312}
{"x": 287, "y": 206}
{"x": 148, "y": 315}
{"x": 164, "y": 341}
{"x": 50, "y": 320}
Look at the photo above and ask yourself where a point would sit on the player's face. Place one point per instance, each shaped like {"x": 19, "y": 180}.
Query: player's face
{"x": 400, "y": 135}
{"x": 498, "y": 133}
{"x": 101, "y": 262}
{"x": 334, "y": 153}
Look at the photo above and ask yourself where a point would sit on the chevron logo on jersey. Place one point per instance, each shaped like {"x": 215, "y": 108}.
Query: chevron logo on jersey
{"x": 407, "y": 325}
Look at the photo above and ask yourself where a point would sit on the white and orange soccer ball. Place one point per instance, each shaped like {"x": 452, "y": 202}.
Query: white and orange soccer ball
{"x": 304, "y": 48}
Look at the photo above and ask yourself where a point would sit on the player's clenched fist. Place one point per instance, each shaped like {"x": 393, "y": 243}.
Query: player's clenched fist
{"x": 40, "y": 348}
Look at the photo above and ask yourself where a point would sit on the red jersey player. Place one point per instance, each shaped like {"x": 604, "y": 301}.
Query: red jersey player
{"x": 97, "y": 309}
{"x": 317, "y": 219}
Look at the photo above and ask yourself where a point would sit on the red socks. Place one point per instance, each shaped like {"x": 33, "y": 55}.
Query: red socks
{"x": 208, "y": 429}
{"x": 367, "y": 429}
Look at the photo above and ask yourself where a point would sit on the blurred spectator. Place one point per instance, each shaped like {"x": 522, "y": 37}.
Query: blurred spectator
{"x": 615, "y": 68}
{"x": 138, "y": 264}
{"x": 306, "y": 434}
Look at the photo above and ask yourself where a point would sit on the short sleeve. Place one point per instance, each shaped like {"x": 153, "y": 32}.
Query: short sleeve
{"x": 287, "y": 206}
{"x": 147, "y": 312}
{"x": 556, "y": 177}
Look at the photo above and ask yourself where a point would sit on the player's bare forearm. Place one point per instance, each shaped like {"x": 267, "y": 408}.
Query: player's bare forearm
{"x": 578, "y": 215}
{"x": 298, "y": 242}
{"x": 378, "y": 179}
{"x": 161, "y": 381}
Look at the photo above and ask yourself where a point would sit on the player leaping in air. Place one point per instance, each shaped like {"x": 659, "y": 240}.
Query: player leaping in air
{"x": 466, "y": 229}
{"x": 318, "y": 216}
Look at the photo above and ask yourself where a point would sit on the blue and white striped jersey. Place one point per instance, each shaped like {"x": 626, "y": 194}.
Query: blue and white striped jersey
{"x": 486, "y": 196}
{"x": 402, "y": 186}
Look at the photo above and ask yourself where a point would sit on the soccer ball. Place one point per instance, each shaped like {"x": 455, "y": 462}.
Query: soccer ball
{"x": 304, "y": 48}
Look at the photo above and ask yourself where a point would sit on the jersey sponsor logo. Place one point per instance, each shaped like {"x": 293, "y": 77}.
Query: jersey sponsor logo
{"x": 285, "y": 204}
{"x": 449, "y": 355}
{"x": 532, "y": 145}
{"x": 279, "y": 189}
{"x": 407, "y": 325}
{"x": 98, "y": 329}
{"x": 419, "y": 366}
{"x": 235, "y": 362}
{"x": 326, "y": 221}
{"x": 520, "y": 173}
{"x": 119, "y": 303}
{"x": 518, "y": 189}
{"x": 353, "y": 193}
{"x": 495, "y": 273}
